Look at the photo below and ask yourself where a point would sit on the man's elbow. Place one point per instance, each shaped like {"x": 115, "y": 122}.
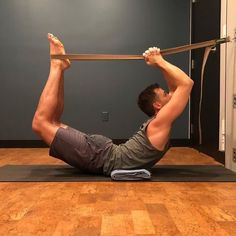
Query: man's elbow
{"x": 189, "y": 83}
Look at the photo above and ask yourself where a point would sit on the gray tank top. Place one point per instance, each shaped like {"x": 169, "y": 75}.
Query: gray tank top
{"x": 136, "y": 153}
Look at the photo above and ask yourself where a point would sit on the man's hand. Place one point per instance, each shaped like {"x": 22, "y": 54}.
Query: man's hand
{"x": 153, "y": 57}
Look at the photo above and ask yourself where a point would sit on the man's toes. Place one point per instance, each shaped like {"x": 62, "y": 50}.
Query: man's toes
{"x": 50, "y": 36}
{"x": 56, "y": 42}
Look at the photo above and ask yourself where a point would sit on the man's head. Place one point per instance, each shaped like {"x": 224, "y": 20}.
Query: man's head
{"x": 152, "y": 99}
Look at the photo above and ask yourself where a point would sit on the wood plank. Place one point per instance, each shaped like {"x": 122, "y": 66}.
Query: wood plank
{"x": 142, "y": 222}
{"x": 117, "y": 224}
{"x": 162, "y": 221}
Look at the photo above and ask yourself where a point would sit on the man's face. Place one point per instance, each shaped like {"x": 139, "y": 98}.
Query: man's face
{"x": 163, "y": 98}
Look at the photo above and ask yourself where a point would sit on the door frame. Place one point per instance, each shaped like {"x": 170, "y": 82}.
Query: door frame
{"x": 228, "y": 78}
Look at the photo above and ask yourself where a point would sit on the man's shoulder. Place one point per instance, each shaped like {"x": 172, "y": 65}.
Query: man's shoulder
{"x": 158, "y": 135}
{"x": 146, "y": 123}
{"x": 156, "y": 125}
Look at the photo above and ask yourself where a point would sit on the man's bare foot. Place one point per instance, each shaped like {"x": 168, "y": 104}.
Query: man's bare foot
{"x": 56, "y": 47}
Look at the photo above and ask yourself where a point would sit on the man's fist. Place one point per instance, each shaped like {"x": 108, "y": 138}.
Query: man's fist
{"x": 153, "y": 57}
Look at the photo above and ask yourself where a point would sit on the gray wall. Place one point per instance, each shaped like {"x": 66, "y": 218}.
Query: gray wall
{"x": 86, "y": 26}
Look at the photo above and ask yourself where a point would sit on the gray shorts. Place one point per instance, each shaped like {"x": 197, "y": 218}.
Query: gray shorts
{"x": 80, "y": 150}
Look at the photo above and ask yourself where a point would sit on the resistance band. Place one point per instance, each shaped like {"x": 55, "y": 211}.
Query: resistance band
{"x": 92, "y": 57}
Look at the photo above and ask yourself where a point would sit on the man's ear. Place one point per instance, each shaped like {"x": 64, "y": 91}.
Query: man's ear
{"x": 157, "y": 105}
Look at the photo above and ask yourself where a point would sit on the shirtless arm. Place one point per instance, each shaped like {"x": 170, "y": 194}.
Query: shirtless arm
{"x": 180, "y": 86}
{"x": 179, "y": 83}
{"x": 172, "y": 74}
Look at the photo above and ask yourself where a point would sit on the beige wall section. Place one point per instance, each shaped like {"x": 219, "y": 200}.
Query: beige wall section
{"x": 230, "y": 64}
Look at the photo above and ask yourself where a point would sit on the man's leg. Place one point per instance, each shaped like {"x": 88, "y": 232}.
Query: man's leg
{"x": 51, "y": 103}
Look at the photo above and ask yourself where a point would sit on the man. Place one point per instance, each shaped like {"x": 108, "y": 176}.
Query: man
{"x": 96, "y": 153}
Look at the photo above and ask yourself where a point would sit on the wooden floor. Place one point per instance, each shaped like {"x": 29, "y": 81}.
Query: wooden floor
{"x": 111, "y": 208}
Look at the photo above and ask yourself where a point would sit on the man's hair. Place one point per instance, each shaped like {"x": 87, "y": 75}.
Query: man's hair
{"x": 146, "y": 99}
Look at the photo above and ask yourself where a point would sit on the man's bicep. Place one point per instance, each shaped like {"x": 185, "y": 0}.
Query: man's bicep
{"x": 174, "y": 107}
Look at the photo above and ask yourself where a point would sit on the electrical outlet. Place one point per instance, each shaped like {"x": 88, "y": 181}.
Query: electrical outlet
{"x": 105, "y": 116}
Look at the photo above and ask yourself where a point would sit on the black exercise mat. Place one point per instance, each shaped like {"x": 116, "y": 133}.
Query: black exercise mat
{"x": 160, "y": 173}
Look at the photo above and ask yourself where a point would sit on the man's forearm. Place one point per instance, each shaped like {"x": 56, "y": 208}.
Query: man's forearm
{"x": 173, "y": 75}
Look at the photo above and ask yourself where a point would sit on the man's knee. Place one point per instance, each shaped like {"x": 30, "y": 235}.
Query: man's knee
{"x": 45, "y": 129}
{"x": 36, "y": 124}
{"x": 39, "y": 124}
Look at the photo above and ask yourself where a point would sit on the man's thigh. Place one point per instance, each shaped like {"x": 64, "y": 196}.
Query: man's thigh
{"x": 79, "y": 149}
{"x": 48, "y": 131}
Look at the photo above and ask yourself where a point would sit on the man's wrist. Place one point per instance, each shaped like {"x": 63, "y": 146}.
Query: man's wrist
{"x": 161, "y": 64}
